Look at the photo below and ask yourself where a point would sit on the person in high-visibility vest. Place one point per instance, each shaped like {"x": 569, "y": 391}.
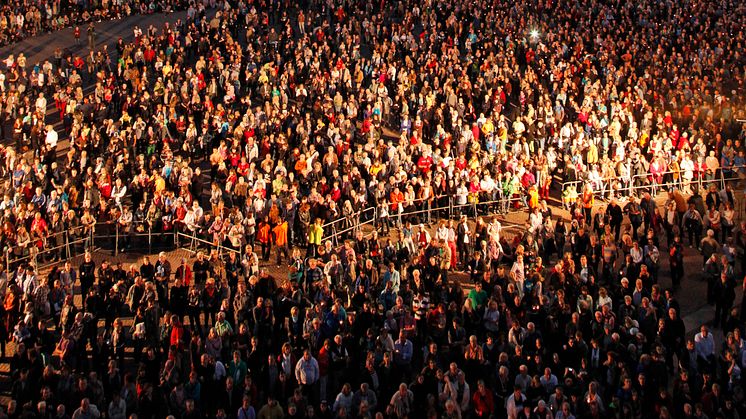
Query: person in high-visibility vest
{"x": 315, "y": 233}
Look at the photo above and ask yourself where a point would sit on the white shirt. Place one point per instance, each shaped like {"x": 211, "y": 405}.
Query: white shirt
{"x": 29, "y": 284}
{"x": 536, "y": 221}
{"x": 41, "y": 104}
{"x": 636, "y": 255}
{"x": 118, "y": 193}
{"x": 198, "y": 212}
{"x": 514, "y": 408}
{"x": 191, "y": 221}
{"x": 52, "y": 138}
{"x": 487, "y": 184}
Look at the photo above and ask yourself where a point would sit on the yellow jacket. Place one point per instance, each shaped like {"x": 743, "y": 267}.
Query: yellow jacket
{"x": 315, "y": 233}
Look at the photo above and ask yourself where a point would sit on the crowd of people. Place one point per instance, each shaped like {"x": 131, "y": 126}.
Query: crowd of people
{"x": 28, "y": 18}
{"x": 253, "y": 125}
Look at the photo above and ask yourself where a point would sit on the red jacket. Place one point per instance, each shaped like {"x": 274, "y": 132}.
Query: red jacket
{"x": 177, "y": 335}
{"x": 185, "y": 274}
{"x": 323, "y": 360}
{"x": 425, "y": 164}
{"x": 483, "y": 403}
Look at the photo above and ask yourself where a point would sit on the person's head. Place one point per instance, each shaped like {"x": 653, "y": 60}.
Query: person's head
{"x": 451, "y": 407}
{"x": 716, "y": 389}
{"x": 523, "y": 370}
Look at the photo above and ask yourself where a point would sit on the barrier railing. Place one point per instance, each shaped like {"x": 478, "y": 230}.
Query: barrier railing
{"x": 351, "y": 223}
{"x": 46, "y": 255}
{"x": 473, "y": 206}
{"x": 195, "y": 242}
{"x": 77, "y": 241}
{"x": 648, "y": 182}
{"x": 355, "y": 227}
{"x": 117, "y": 232}
{"x": 342, "y": 227}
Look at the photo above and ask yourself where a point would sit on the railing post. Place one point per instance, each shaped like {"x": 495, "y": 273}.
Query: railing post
{"x": 722, "y": 179}
{"x": 450, "y": 207}
{"x": 150, "y": 243}
{"x": 116, "y": 239}
{"x": 67, "y": 245}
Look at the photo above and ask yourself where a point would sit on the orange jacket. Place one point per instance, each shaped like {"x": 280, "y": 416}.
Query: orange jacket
{"x": 395, "y": 199}
{"x": 281, "y": 233}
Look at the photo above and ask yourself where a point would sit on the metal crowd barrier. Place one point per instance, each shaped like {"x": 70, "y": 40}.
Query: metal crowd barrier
{"x": 646, "y": 182}
{"x": 101, "y": 234}
{"x": 195, "y": 242}
{"x": 448, "y": 210}
{"x": 76, "y": 242}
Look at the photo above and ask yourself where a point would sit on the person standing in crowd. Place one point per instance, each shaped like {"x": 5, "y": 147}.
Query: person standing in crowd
{"x": 315, "y": 234}
{"x": 91, "y": 36}
{"x": 87, "y": 271}
{"x": 307, "y": 375}
{"x": 280, "y": 236}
